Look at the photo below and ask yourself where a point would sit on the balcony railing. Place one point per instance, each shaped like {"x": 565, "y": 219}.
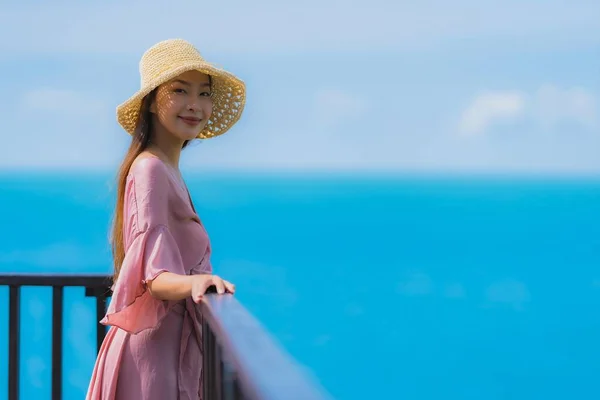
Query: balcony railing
{"x": 241, "y": 360}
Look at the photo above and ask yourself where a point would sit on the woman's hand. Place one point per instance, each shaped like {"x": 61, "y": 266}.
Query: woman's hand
{"x": 201, "y": 282}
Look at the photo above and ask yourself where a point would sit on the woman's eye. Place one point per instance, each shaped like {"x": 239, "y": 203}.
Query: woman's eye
{"x": 179, "y": 91}
{"x": 206, "y": 94}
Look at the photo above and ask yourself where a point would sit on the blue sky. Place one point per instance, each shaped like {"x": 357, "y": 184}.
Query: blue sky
{"x": 511, "y": 86}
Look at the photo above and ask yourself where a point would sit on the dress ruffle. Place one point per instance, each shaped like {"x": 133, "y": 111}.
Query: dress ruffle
{"x": 132, "y": 307}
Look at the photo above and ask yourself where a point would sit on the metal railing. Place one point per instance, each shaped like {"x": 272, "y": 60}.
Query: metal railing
{"x": 95, "y": 285}
{"x": 241, "y": 360}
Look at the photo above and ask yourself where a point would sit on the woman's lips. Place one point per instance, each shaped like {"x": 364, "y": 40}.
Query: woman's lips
{"x": 191, "y": 121}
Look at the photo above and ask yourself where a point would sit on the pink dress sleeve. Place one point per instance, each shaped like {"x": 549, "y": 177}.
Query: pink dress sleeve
{"x": 150, "y": 249}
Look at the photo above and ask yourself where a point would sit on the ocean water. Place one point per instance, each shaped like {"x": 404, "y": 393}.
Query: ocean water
{"x": 410, "y": 287}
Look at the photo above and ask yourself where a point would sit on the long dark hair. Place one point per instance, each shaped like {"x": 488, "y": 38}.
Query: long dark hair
{"x": 139, "y": 142}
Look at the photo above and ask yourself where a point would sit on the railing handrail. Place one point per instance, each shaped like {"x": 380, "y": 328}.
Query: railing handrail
{"x": 56, "y": 279}
{"x": 264, "y": 369}
{"x": 240, "y": 355}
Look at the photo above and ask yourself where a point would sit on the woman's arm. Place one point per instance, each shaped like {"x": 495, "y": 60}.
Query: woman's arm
{"x": 171, "y": 286}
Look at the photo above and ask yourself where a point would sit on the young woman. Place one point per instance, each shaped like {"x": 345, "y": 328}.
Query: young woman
{"x": 160, "y": 247}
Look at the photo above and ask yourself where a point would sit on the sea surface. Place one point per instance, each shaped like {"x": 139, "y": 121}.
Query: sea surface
{"x": 395, "y": 287}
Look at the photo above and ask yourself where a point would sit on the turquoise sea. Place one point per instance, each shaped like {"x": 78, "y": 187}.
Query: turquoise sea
{"x": 406, "y": 287}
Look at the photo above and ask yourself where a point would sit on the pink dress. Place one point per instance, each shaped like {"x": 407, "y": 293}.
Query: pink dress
{"x": 153, "y": 348}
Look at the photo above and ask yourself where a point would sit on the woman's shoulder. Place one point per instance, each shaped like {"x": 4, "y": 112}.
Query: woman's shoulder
{"x": 147, "y": 164}
{"x": 150, "y": 190}
{"x": 148, "y": 169}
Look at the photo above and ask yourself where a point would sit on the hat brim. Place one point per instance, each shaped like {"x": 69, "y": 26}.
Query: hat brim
{"x": 229, "y": 99}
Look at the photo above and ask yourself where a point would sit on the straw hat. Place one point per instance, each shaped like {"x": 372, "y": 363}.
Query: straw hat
{"x": 170, "y": 58}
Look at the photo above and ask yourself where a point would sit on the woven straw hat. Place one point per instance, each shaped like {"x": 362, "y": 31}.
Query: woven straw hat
{"x": 170, "y": 58}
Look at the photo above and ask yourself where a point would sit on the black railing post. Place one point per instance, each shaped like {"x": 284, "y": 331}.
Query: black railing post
{"x": 100, "y": 294}
{"x": 228, "y": 387}
{"x": 207, "y": 349}
{"x": 218, "y": 367}
{"x": 13, "y": 342}
{"x": 57, "y": 325}
{"x": 100, "y": 329}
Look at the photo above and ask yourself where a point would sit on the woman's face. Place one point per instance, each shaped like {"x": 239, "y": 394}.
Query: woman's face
{"x": 183, "y": 105}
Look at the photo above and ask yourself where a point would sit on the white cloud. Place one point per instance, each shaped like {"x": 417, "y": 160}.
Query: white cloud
{"x": 490, "y": 108}
{"x": 547, "y": 108}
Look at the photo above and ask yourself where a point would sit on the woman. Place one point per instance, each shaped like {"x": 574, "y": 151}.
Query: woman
{"x": 160, "y": 247}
